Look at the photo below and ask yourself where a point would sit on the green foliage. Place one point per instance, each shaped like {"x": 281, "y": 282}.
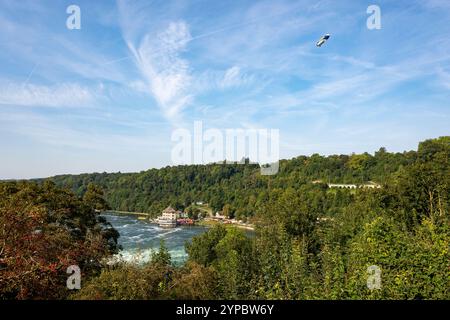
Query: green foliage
{"x": 127, "y": 282}
{"x": 311, "y": 242}
{"x": 161, "y": 257}
{"x": 202, "y": 250}
{"x": 234, "y": 264}
{"x": 414, "y": 266}
{"x": 44, "y": 230}
{"x": 94, "y": 197}
{"x": 238, "y": 189}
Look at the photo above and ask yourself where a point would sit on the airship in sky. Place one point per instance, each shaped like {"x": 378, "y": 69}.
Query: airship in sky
{"x": 322, "y": 40}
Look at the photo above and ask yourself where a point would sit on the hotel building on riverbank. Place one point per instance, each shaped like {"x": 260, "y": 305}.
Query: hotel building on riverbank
{"x": 169, "y": 217}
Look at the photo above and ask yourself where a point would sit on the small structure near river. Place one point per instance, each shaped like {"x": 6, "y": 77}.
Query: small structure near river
{"x": 170, "y": 218}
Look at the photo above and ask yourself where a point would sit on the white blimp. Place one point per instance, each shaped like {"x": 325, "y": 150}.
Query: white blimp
{"x": 322, "y": 40}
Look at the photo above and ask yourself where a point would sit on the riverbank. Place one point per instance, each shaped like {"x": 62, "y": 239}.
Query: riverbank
{"x": 212, "y": 222}
{"x": 129, "y": 213}
{"x": 207, "y": 222}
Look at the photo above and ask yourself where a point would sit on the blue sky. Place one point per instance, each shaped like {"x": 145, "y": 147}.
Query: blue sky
{"x": 107, "y": 97}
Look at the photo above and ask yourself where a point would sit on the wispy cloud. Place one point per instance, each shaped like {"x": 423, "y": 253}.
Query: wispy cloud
{"x": 158, "y": 57}
{"x": 142, "y": 67}
{"x": 31, "y": 95}
{"x": 234, "y": 77}
{"x": 167, "y": 74}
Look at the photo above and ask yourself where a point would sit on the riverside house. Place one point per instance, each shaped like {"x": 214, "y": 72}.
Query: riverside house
{"x": 168, "y": 218}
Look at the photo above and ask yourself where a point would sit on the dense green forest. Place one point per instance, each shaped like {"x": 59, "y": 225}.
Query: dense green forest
{"x": 240, "y": 186}
{"x": 311, "y": 242}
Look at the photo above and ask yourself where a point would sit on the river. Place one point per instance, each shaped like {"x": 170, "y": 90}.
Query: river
{"x": 139, "y": 238}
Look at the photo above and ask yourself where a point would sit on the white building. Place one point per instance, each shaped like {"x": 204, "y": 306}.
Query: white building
{"x": 169, "y": 217}
{"x": 370, "y": 185}
{"x": 342, "y": 186}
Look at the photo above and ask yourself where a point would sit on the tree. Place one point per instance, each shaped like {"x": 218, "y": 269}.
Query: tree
{"x": 162, "y": 256}
{"x": 234, "y": 264}
{"x": 94, "y": 198}
{"x": 311, "y": 242}
{"x": 226, "y": 211}
{"x": 193, "y": 212}
{"x": 413, "y": 266}
{"x": 44, "y": 230}
{"x": 202, "y": 249}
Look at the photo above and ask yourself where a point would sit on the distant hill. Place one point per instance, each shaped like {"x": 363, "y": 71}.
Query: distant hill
{"x": 241, "y": 186}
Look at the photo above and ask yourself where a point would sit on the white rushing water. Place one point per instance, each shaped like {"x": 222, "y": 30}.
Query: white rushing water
{"x": 139, "y": 238}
